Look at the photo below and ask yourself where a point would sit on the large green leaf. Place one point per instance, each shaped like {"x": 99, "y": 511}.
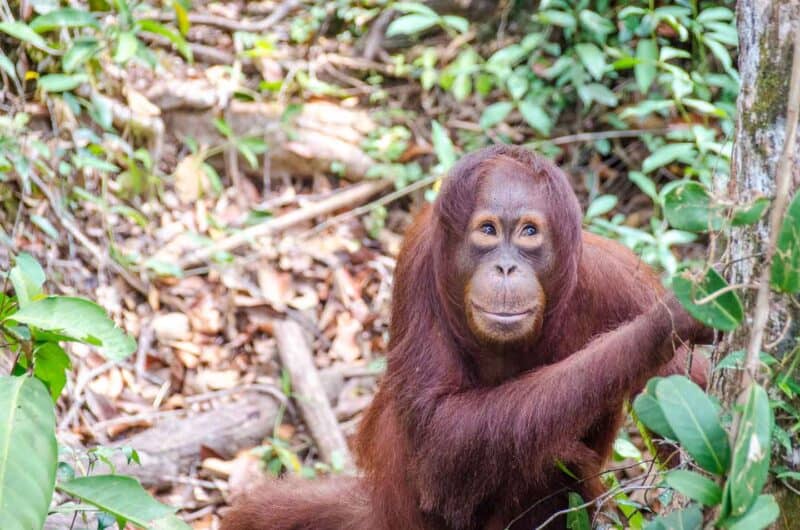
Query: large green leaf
{"x": 121, "y": 496}
{"x": 61, "y": 82}
{"x": 79, "y": 318}
{"x": 666, "y": 154}
{"x": 649, "y": 411}
{"x": 27, "y": 277}
{"x": 786, "y": 263}
{"x": 723, "y": 312}
{"x": 694, "y": 420}
{"x": 28, "y": 452}
{"x": 695, "y": 486}
{"x": 50, "y": 365}
{"x": 21, "y": 31}
{"x": 761, "y": 515}
{"x": 67, "y": 17}
{"x": 410, "y": 24}
{"x": 592, "y": 58}
{"x": 578, "y": 518}
{"x": 689, "y": 207}
{"x": 690, "y": 518}
{"x": 645, "y": 69}
{"x": 751, "y": 452}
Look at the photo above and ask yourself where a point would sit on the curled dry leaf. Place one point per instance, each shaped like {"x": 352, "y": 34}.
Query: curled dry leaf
{"x": 171, "y": 327}
{"x": 139, "y": 103}
{"x": 345, "y": 345}
{"x": 276, "y": 287}
{"x": 190, "y": 179}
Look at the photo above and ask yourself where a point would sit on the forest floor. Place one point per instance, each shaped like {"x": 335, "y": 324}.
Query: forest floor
{"x": 246, "y": 214}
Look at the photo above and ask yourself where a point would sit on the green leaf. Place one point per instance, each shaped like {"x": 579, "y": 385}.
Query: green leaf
{"x": 459, "y": 24}
{"x": 28, "y": 452}
{"x": 592, "y": 58}
{"x": 170, "y": 522}
{"x": 669, "y": 153}
{"x": 578, "y": 518}
{"x": 714, "y": 13}
{"x": 689, "y": 518}
{"x": 556, "y": 18}
{"x": 27, "y": 278}
{"x": 79, "y": 318}
{"x": 747, "y": 215}
{"x": 21, "y": 31}
{"x": 50, "y": 363}
{"x": 67, "y": 17}
{"x": 601, "y": 205}
{"x": 645, "y": 184}
{"x": 694, "y": 420}
{"x": 695, "y": 486}
{"x": 126, "y": 47}
{"x": 785, "y": 274}
{"x": 414, "y": 7}
{"x": 751, "y": 452}
{"x": 7, "y": 66}
{"x": 761, "y": 515}
{"x": 723, "y": 312}
{"x": 61, "y": 82}
{"x": 443, "y": 147}
{"x": 151, "y": 26}
{"x": 81, "y": 51}
{"x": 495, "y": 113}
{"x": 645, "y": 69}
{"x": 595, "y": 23}
{"x": 536, "y": 117}
{"x": 649, "y": 411}
{"x": 720, "y": 52}
{"x": 688, "y": 207}
{"x": 597, "y": 92}
{"x": 411, "y": 24}
{"x": 44, "y": 224}
{"x": 121, "y": 496}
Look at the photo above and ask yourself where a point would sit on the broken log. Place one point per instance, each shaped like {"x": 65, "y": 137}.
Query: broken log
{"x": 172, "y": 446}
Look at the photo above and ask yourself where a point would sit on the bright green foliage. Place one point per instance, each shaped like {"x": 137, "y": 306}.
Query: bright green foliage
{"x": 122, "y": 497}
{"x": 721, "y": 311}
{"x": 695, "y": 421}
{"x": 649, "y": 411}
{"x": 689, "y": 518}
{"x": 688, "y": 206}
{"x": 27, "y": 278}
{"x": 695, "y": 486}
{"x": 578, "y": 518}
{"x": 763, "y": 513}
{"x": 78, "y": 318}
{"x": 751, "y": 452}
{"x": 786, "y": 263}
{"x": 27, "y": 452}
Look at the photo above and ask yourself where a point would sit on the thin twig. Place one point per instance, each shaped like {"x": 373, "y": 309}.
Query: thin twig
{"x": 782, "y": 191}
{"x": 716, "y": 294}
{"x": 361, "y": 210}
{"x": 603, "y": 135}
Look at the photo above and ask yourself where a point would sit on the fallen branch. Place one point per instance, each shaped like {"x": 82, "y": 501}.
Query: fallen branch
{"x": 355, "y": 194}
{"x": 297, "y": 359}
{"x": 172, "y": 446}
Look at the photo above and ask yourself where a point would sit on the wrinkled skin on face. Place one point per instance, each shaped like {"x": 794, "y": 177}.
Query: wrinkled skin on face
{"x": 505, "y": 256}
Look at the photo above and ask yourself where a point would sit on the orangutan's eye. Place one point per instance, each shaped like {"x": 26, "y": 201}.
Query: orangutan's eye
{"x": 529, "y": 230}
{"x": 488, "y": 229}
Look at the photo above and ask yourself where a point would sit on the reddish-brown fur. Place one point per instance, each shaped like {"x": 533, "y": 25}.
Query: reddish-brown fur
{"x": 441, "y": 446}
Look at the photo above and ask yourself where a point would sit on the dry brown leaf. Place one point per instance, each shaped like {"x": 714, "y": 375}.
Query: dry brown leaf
{"x": 109, "y": 384}
{"x": 190, "y": 179}
{"x": 276, "y": 287}
{"x": 171, "y": 327}
{"x": 217, "y": 379}
{"x": 345, "y": 345}
{"x": 139, "y": 103}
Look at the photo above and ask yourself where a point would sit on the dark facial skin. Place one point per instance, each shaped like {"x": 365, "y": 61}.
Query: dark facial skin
{"x": 505, "y": 254}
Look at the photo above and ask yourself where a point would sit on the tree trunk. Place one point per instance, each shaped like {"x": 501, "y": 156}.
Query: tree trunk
{"x": 766, "y": 29}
